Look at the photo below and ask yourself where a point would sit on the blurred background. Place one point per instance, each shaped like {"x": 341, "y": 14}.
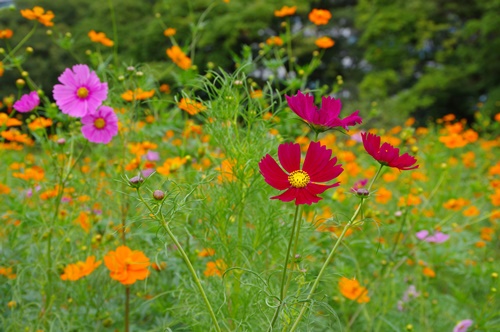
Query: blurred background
{"x": 397, "y": 58}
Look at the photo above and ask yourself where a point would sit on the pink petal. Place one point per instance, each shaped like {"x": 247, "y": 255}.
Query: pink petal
{"x": 305, "y": 197}
{"x": 287, "y": 196}
{"x": 316, "y": 158}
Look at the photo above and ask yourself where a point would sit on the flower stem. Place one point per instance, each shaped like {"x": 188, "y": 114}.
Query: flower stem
{"x": 185, "y": 257}
{"x": 332, "y": 254}
{"x": 283, "y": 277}
{"x": 127, "y": 308}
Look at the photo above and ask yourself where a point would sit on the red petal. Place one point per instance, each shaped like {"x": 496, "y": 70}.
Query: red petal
{"x": 371, "y": 143}
{"x": 306, "y": 197}
{"x": 273, "y": 174}
{"x": 287, "y": 196}
{"x": 317, "y": 189}
{"x": 316, "y": 158}
{"x": 289, "y": 155}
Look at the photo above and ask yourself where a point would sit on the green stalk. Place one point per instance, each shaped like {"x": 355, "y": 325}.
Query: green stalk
{"x": 185, "y": 257}
{"x": 332, "y": 254}
{"x": 283, "y": 277}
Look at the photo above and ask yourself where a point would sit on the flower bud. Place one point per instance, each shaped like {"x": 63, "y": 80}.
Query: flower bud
{"x": 61, "y": 141}
{"x": 20, "y": 83}
{"x": 158, "y": 195}
{"x": 49, "y": 32}
{"x": 29, "y": 49}
{"x": 136, "y": 181}
{"x": 25, "y": 74}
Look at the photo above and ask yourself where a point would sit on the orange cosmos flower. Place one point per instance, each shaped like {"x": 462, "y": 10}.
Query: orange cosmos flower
{"x": 100, "y": 37}
{"x": 7, "y": 272}
{"x": 165, "y": 88}
{"x": 453, "y": 141}
{"x": 171, "y": 165}
{"x": 5, "y": 120}
{"x": 33, "y": 173}
{"x": 1, "y": 74}
{"x": 455, "y": 204}
{"x": 471, "y": 211}
{"x": 427, "y": 271}
{"x": 285, "y": 11}
{"x": 497, "y": 117}
{"x": 274, "y": 40}
{"x": 4, "y": 189}
{"x": 137, "y": 94}
{"x": 351, "y": 289}
{"x": 169, "y": 32}
{"x": 216, "y": 268}
{"x": 14, "y": 135}
{"x": 206, "y": 252}
{"x": 80, "y": 269}
{"x": 39, "y": 14}
{"x": 324, "y": 42}
{"x": 179, "y": 57}
{"x": 40, "y": 123}
{"x": 320, "y": 16}
{"x": 190, "y": 106}
{"x": 495, "y": 198}
{"x": 6, "y": 34}
{"x": 126, "y": 265}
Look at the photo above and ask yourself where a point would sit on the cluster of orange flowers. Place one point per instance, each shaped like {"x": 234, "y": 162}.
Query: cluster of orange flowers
{"x": 179, "y": 57}
{"x": 454, "y": 134}
{"x": 39, "y": 14}
{"x": 7, "y": 272}
{"x": 275, "y": 40}
{"x": 100, "y": 37}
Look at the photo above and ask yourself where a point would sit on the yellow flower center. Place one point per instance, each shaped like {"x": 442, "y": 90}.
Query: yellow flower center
{"x": 299, "y": 179}
{"x": 99, "y": 123}
{"x": 82, "y": 92}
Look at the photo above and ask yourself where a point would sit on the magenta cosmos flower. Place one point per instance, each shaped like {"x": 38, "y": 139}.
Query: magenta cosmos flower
{"x": 100, "y": 126}
{"x": 386, "y": 154}
{"x": 327, "y": 117}
{"x": 301, "y": 185}
{"x": 463, "y": 325}
{"x": 27, "y": 102}
{"x": 81, "y": 92}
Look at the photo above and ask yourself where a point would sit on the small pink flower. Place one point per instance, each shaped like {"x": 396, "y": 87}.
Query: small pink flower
{"x": 27, "y": 102}
{"x": 437, "y": 237}
{"x": 327, "y": 117}
{"x": 463, "y": 325}
{"x": 386, "y": 154}
{"x": 81, "y": 92}
{"x": 101, "y": 126}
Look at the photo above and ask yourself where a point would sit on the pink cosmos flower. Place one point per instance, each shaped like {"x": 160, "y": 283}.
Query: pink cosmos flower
{"x": 81, "y": 92}
{"x": 463, "y": 325}
{"x": 386, "y": 154}
{"x": 100, "y": 126}
{"x": 437, "y": 237}
{"x": 301, "y": 184}
{"x": 27, "y": 102}
{"x": 327, "y": 117}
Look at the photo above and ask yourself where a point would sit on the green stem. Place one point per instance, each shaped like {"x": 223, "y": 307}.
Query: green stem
{"x": 283, "y": 277}
{"x": 115, "y": 33}
{"x": 294, "y": 253}
{"x": 332, "y": 254}
{"x": 127, "y": 308}
{"x": 185, "y": 257}
{"x": 24, "y": 40}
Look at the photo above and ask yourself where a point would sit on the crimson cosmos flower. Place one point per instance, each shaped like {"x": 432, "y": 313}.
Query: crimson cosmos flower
{"x": 327, "y": 117}
{"x": 301, "y": 185}
{"x": 386, "y": 154}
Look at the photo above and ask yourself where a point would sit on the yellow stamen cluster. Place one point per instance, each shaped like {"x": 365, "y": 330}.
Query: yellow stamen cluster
{"x": 82, "y": 92}
{"x": 299, "y": 179}
{"x": 99, "y": 123}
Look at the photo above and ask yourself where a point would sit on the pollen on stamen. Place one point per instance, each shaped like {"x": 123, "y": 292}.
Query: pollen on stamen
{"x": 299, "y": 179}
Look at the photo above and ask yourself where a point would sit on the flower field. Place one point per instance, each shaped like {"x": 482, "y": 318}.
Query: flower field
{"x": 215, "y": 201}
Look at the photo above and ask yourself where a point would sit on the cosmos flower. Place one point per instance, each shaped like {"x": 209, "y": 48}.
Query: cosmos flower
{"x": 324, "y": 42}
{"x": 285, "y": 11}
{"x": 301, "y": 184}
{"x": 327, "y": 117}
{"x": 179, "y": 57}
{"x": 80, "y": 269}
{"x": 387, "y": 154}
{"x": 101, "y": 126}
{"x": 39, "y": 14}
{"x": 126, "y": 265}
{"x": 463, "y": 325}
{"x": 352, "y": 290}
{"x": 320, "y": 16}
{"x": 27, "y": 102}
{"x": 81, "y": 92}
{"x": 437, "y": 237}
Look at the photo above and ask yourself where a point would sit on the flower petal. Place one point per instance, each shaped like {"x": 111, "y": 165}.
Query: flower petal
{"x": 273, "y": 174}
{"x": 289, "y": 156}
{"x": 316, "y": 158}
